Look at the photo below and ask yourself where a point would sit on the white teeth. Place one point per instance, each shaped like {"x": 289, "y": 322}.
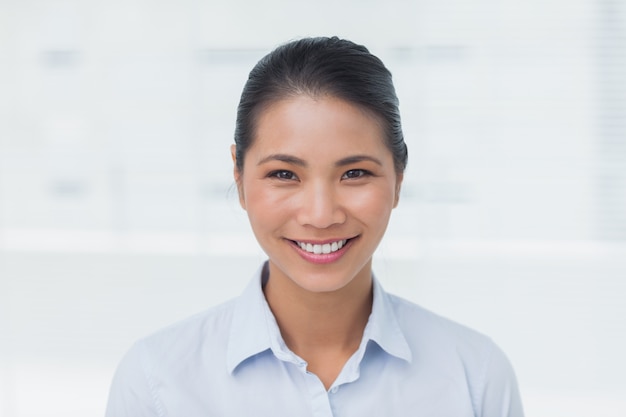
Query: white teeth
{"x": 325, "y": 248}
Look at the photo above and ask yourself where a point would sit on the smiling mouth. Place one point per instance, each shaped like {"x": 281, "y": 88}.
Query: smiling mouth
{"x": 319, "y": 249}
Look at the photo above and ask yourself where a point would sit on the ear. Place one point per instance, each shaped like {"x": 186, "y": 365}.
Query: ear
{"x": 237, "y": 176}
{"x": 399, "y": 178}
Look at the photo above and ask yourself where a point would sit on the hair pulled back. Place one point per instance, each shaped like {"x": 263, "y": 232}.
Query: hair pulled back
{"x": 317, "y": 67}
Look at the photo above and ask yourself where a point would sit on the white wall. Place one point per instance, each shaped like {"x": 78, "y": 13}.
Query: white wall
{"x": 116, "y": 216}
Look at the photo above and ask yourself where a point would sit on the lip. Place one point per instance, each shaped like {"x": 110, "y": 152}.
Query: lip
{"x": 322, "y": 258}
{"x": 322, "y": 242}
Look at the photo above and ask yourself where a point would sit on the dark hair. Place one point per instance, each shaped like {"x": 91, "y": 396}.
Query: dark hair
{"x": 316, "y": 67}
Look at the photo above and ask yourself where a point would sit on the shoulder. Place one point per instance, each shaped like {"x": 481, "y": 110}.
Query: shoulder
{"x": 428, "y": 332}
{"x": 201, "y": 331}
{"x": 185, "y": 342}
{"x": 175, "y": 354}
{"x": 419, "y": 322}
{"x": 462, "y": 351}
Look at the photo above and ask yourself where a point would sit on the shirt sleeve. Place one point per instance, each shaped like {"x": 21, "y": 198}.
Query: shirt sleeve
{"x": 500, "y": 393}
{"x": 131, "y": 393}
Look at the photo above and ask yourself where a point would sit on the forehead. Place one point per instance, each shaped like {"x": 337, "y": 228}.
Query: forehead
{"x": 304, "y": 124}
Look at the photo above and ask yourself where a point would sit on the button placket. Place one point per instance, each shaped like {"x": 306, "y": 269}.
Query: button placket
{"x": 319, "y": 396}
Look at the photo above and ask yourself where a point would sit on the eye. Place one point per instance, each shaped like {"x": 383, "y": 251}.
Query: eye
{"x": 283, "y": 174}
{"x": 355, "y": 173}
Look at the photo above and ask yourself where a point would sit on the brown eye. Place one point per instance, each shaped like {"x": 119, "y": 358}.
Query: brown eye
{"x": 355, "y": 173}
{"x": 283, "y": 174}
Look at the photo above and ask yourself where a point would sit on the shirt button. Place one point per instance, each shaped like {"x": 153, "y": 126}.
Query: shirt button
{"x": 334, "y": 390}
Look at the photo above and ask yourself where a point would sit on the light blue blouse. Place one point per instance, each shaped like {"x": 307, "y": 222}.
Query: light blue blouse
{"x": 232, "y": 361}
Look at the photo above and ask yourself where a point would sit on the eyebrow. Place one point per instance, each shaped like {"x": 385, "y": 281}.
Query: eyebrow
{"x": 293, "y": 160}
{"x": 283, "y": 158}
{"x": 356, "y": 159}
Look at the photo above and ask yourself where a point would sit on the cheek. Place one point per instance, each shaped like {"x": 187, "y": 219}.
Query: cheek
{"x": 374, "y": 204}
{"x": 266, "y": 205}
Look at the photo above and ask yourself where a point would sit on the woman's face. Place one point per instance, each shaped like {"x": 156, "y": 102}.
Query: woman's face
{"x": 318, "y": 184}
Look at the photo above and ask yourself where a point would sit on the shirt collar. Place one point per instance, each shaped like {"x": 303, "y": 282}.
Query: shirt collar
{"x": 383, "y": 326}
{"x": 254, "y": 328}
{"x": 249, "y": 333}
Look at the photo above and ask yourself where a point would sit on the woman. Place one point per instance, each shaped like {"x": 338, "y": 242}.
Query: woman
{"x": 318, "y": 162}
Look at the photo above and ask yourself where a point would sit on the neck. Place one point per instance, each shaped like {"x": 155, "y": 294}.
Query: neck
{"x": 312, "y": 322}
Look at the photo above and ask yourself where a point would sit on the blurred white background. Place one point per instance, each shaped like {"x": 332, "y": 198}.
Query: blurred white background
{"x": 117, "y": 215}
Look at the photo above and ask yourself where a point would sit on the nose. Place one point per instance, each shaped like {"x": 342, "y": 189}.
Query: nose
{"x": 320, "y": 207}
